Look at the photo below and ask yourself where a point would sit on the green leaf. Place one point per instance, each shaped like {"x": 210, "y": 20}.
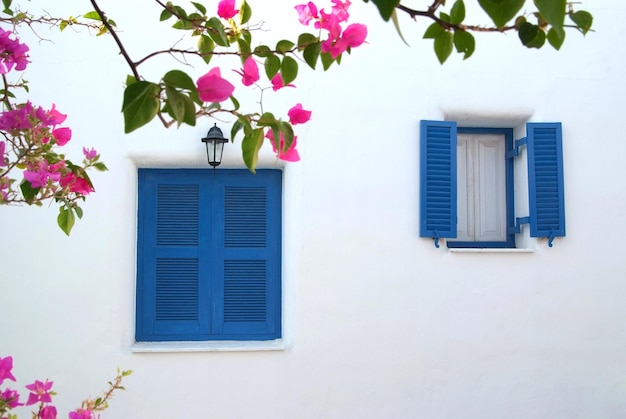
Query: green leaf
{"x": 199, "y": 7}
{"x": 501, "y": 11}
{"x": 101, "y": 167}
{"x": 272, "y": 66}
{"x": 176, "y": 103}
{"x": 165, "y": 14}
{"x": 327, "y": 60}
{"x": 556, "y": 37}
{"x": 464, "y": 43}
{"x": 553, "y": 11}
{"x": 288, "y": 70}
{"x": 457, "y": 14}
{"x": 396, "y": 24}
{"x": 179, "y": 79}
{"x": 237, "y": 126}
{"x": 262, "y": 51}
{"x": 66, "y": 220}
{"x": 433, "y": 31}
{"x": 79, "y": 212}
{"x": 284, "y": 46}
{"x": 28, "y": 191}
{"x": 583, "y": 20}
{"x": 305, "y": 40}
{"x": 217, "y": 32}
{"x": 250, "y": 147}
{"x": 245, "y": 12}
{"x": 93, "y": 15}
{"x": 6, "y": 4}
{"x": 287, "y": 132}
{"x": 244, "y": 49}
{"x": 386, "y": 7}
{"x": 206, "y": 47}
{"x": 141, "y": 104}
{"x": 236, "y": 104}
{"x": 443, "y": 46}
{"x": 531, "y": 35}
{"x": 266, "y": 120}
{"x": 311, "y": 54}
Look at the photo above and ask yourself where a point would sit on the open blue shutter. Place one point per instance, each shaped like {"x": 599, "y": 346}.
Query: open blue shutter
{"x": 171, "y": 268}
{"x": 248, "y": 291}
{"x": 545, "y": 180}
{"x": 438, "y": 179}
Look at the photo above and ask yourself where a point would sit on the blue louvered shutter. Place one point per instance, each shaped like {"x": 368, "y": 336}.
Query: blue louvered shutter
{"x": 248, "y": 285}
{"x": 545, "y": 180}
{"x": 171, "y": 258}
{"x": 438, "y": 189}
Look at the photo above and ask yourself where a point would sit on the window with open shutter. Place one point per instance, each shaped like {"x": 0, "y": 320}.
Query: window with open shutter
{"x": 466, "y": 184}
{"x": 208, "y": 259}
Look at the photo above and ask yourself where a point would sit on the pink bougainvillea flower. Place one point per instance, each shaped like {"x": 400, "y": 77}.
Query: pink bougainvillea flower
{"x": 249, "y": 72}
{"x": 6, "y": 365}
{"x": 352, "y": 37}
{"x": 306, "y": 12}
{"x": 39, "y": 392}
{"x": 291, "y": 154}
{"x": 213, "y": 88}
{"x": 12, "y": 53}
{"x": 10, "y": 398}
{"x": 340, "y": 9}
{"x": 277, "y": 83}
{"x": 90, "y": 154}
{"x": 38, "y": 174}
{"x": 62, "y": 135}
{"x": 80, "y": 414}
{"x": 54, "y": 117}
{"x": 2, "y": 164}
{"x": 48, "y": 412}
{"x": 76, "y": 184}
{"x": 297, "y": 115}
{"x": 226, "y": 9}
{"x": 17, "y": 119}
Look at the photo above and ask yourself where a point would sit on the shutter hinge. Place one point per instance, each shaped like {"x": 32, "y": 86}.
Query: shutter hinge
{"x": 517, "y": 228}
{"x": 436, "y": 238}
{"x": 515, "y": 151}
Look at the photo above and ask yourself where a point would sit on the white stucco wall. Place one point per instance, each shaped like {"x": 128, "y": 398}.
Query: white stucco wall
{"x": 378, "y": 323}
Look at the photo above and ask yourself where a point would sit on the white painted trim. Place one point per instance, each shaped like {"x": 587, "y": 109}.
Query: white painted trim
{"x": 490, "y": 250}
{"x": 212, "y": 346}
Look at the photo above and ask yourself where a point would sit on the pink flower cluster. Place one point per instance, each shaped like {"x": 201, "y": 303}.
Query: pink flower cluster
{"x": 212, "y": 87}
{"x": 42, "y": 125}
{"x": 12, "y": 53}
{"x": 339, "y": 39}
{"x": 40, "y": 393}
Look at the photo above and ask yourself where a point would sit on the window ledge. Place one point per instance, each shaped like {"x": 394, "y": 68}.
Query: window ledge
{"x": 212, "y": 346}
{"x": 489, "y": 250}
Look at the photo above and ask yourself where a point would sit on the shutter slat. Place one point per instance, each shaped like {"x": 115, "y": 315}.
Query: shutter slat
{"x": 545, "y": 180}
{"x": 438, "y": 179}
{"x": 177, "y": 215}
{"x": 245, "y": 217}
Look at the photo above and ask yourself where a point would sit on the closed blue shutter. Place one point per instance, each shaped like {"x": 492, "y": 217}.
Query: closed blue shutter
{"x": 249, "y": 287}
{"x": 438, "y": 179}
{"x": 172, "y": 261}
{"x": 545, "y": 180}
{"x": 209, "y": 255}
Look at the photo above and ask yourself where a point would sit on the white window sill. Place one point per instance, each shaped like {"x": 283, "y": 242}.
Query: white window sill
{"x": 489, "y": 250}
{"x": 209, "y": 346}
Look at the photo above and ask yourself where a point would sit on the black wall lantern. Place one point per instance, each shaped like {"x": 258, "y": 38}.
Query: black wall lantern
{"x": 214, "y": 142}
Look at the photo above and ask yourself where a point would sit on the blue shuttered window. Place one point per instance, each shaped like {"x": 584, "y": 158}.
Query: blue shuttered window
{"x": 438, "y": 177}
{"x": 208, "y": 257}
